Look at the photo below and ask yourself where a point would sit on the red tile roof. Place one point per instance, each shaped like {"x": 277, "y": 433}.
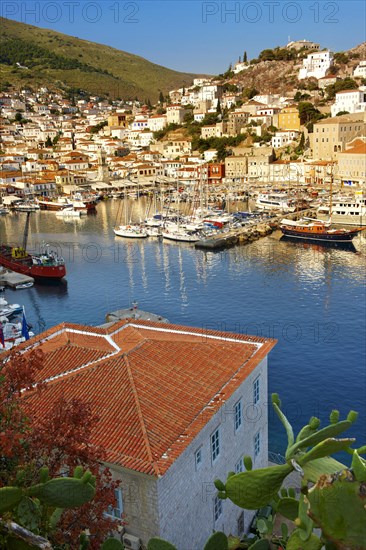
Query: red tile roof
{"x": 153, "y": 386}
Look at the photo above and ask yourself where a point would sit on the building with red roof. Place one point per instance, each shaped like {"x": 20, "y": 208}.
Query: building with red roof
{"x": 178, "y": 407}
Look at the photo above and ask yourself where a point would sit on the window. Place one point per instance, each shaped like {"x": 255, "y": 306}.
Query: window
{"x": 215, "y": 445}
{"x": 239, "y": 466}
{"x": 240, "y": 524}
{"x": 256, "y": 391}
{"x": 257, "y": 444}
{"x": 117, "y": 510}
{"x": 198, "y": 458}
{"x": 238, "y": 415}
{"x": 217, "y": 508}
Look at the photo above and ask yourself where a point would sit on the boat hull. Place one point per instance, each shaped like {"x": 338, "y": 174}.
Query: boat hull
{"x": 27, "y": 267}
{"x": 319, "y": 237}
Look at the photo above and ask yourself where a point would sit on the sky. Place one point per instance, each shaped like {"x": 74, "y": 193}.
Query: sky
{"x": 198, "y": 36}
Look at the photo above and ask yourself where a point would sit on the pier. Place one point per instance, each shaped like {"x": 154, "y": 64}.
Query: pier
{"x": 14, "y": 280}
{"x": 249, "y": 232}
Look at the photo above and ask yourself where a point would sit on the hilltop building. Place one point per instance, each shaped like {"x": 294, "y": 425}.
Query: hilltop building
{"x": 302, "y": 45}
{"x": 178, "y": 407}
{"x": 360, "y": 70}
{"x": 316, "y": 65}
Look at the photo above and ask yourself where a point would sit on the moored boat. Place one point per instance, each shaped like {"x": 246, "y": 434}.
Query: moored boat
{"x": 46, "y": 265}
{"x": 131, "y": 232}
{"x": 316, "y": 230}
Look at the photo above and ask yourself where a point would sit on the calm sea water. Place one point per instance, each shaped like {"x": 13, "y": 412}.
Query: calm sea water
{"x": 312, "y": 299}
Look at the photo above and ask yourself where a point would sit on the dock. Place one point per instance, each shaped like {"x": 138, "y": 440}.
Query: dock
{"x": 13, "y": 279}
{"x": 134, "y": 313}
{"x": 249, "y": 232}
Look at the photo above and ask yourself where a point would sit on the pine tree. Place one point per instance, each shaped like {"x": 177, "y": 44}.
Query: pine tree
{"x": 245, "y": 59}
{"x": 161, "y": 97}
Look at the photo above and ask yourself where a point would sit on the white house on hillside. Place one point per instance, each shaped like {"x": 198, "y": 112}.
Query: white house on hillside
{"x": 316, "y": 65}
{"x": 352, "y": 101}
{"x": 360, "y": 70}
{"x": 178, "y": 407}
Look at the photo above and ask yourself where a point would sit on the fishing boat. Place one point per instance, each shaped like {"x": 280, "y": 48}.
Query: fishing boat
{"x": 46, "y": 265}
{"x": 316, "y": 230}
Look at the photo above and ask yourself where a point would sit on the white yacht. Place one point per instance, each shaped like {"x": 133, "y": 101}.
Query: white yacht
{"x": 274, "y": 201}
{"x": 345, "y": 210}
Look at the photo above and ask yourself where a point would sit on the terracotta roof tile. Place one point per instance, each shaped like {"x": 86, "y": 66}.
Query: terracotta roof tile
{"x": 153, "y": 386}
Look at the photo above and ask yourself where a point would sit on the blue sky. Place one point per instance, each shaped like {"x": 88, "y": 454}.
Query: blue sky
{"x": 193, "y": 35}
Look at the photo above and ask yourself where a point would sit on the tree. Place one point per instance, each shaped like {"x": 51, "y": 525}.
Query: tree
{"x": 245, "y": 59}
{"x": 161, "y": 97}
{"x": 60, "y": 442}
{"x": 218, "y": 107}
{"x": 48, "y": 142}
{"x": 308, "y": 113}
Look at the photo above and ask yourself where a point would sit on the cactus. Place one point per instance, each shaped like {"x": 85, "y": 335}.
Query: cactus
{"x": 25, "y": 504}
{"x": 336, "y": 504}
{"x": 157, "y": 543}
{"x": 112, "y": 544}
{"x": 256, "y": 488}
{"x": 217, "y": 541}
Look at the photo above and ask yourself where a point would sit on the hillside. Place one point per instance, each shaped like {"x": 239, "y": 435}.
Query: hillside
{"x": 58, "y": 60}
{"x": 280, "y": 76}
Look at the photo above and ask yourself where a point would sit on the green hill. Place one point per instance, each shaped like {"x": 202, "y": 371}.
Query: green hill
{"x": 57, "y": 60}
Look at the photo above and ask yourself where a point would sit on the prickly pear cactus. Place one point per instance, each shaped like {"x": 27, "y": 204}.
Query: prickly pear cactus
{"x": 157, "y": 543}
{"x": 217, "y": 541}
{"x": 256, "y": 488}
{"x": 66, "y": 492}
{"x": 337, "y": 506}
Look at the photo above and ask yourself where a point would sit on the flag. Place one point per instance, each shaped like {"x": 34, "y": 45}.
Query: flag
{"x": 25, "y": 332}
{"x": 2, "y": 339}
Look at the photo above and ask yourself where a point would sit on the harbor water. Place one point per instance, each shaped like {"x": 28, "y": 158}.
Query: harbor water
{"x": 312, "y": 299}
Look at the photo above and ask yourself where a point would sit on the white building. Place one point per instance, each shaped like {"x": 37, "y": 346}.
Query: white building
{"x": 156, "y": 122}
{"x": 316, "y": 65}
{"x": 360, "y": 70}
{"x": 167, "y": 428}
{"x": 240, "y": 66}
{"x": 352, "y": 101}
{"x": 283, "y": 138}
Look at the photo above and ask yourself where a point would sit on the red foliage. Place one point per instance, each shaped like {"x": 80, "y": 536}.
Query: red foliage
{"x": 61, "y": 441}
{"x": 16, "y": 373}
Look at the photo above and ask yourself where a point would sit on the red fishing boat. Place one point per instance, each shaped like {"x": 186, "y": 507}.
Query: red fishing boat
{"x": 46, "y": 265}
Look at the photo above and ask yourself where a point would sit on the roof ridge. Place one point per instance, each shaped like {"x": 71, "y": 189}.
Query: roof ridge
{"x": 141, "y": 418}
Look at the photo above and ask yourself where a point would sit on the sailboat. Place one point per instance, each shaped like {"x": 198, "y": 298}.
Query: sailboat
{"x": 130, "y": 230}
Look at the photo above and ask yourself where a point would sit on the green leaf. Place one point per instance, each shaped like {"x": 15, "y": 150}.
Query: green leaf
{"x": 156, "y": 543}
{"x": 261, "y": 544}
{"x": 286, "y": 424}
{"x": 289, "y": 508}
{"x": 284, "y": 531}
{"x": 296, "y": 543}
{"x": 329, "y": 431}
{"x": 359, "y": 467}
{"x": 327, "y": 465}
{"x": 325, "y": 448}
{"x": 217, "y": 541}
{"x": 9, "y": 498}
{"x": 262, "y": 526}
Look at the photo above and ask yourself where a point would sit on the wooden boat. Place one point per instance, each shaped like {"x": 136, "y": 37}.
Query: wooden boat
{"x": 316, "y": 230}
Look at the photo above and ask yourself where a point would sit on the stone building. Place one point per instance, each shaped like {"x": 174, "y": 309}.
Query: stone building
{"x": 331, "y": 134}
{"x": 178, "y": 407}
